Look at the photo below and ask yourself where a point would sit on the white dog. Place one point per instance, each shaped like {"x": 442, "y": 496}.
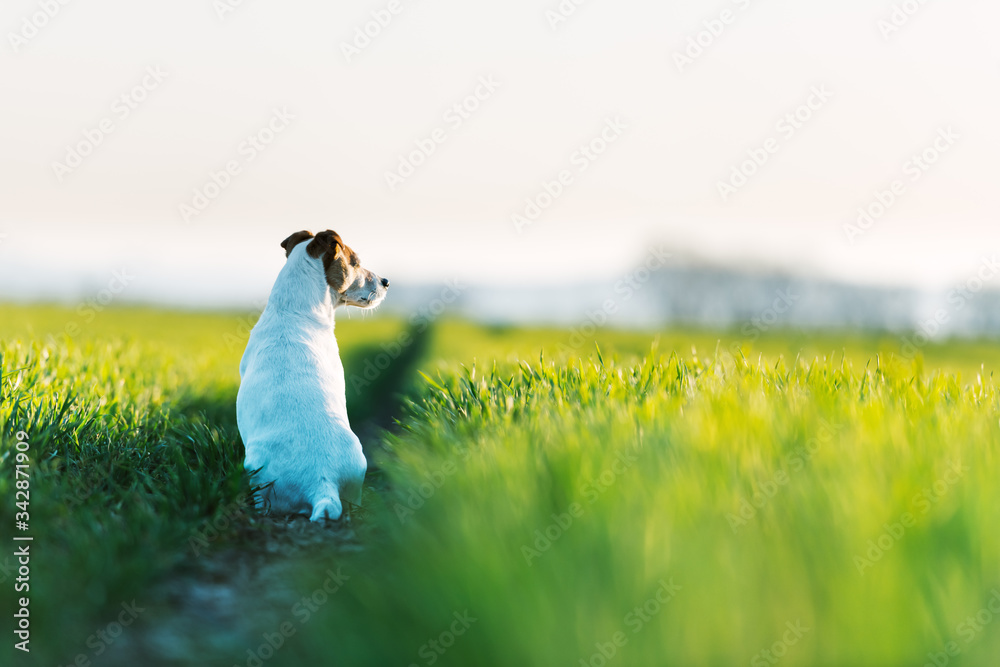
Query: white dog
{"x": 292, "y": 403}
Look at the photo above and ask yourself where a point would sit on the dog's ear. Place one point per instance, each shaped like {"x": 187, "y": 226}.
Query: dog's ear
{"x": 326, "y": 243}
{"x": 293, "y": 240}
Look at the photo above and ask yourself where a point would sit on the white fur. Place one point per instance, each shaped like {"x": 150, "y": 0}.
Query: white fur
{"x": 292, "y": 404}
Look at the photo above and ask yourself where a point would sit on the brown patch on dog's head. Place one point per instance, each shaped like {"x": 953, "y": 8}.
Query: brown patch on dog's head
{"x": 295, "y": 239}
{"x": 351, "y": 284}
{"x": 340, "y": 263}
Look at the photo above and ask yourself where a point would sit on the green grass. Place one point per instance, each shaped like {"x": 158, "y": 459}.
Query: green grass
{"x": 551, "y": 497}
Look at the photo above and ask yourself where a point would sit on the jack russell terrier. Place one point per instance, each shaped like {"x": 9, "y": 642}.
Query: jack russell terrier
{"x": 292, "y": 404}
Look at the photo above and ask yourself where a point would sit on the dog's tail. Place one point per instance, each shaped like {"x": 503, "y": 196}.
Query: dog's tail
{"x": 327, "y": 508}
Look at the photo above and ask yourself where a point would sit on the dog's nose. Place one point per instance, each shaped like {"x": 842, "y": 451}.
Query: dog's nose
{"x": 385, "y": 282}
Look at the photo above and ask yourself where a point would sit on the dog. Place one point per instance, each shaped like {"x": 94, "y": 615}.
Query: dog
{"x": 291, "y": 408}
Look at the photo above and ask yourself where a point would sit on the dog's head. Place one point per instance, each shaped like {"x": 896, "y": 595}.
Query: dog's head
{"x": 350, "y": 284}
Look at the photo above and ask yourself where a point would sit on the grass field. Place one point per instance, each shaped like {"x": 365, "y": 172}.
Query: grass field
{"x": 539, "y": 497}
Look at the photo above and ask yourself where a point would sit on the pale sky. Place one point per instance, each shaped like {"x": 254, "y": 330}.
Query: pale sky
{"x": 341, "y": 126}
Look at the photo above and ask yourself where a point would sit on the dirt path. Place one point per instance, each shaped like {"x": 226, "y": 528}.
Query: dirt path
{"x": 216, "y": 605}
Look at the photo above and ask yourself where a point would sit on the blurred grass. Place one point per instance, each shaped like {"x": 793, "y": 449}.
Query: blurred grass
{"x": 642, "y": 466}
{"x": 218, "y": 338}
{"x": 753, "y": 487}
